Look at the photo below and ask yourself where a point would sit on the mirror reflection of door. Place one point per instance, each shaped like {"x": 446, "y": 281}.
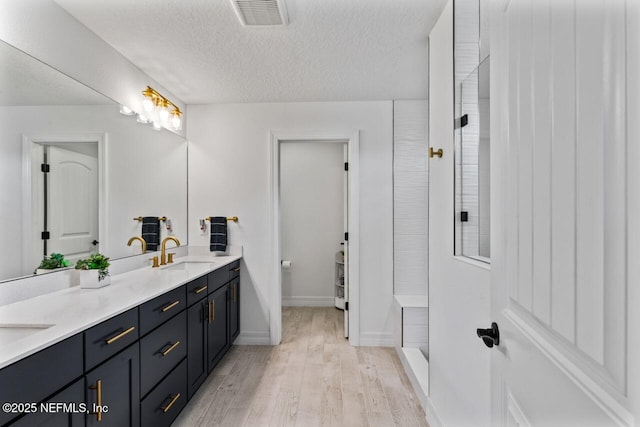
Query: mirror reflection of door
{"x": 69, "y": 200}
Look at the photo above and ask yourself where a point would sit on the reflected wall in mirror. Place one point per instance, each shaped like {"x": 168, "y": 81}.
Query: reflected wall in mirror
{"x": 472, "y": 138}
{"x": 104, "y": 169}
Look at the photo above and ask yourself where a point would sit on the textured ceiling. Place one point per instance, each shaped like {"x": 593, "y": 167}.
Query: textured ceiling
{"x": 331, "y": 50}
{"x": 27, "y": 81}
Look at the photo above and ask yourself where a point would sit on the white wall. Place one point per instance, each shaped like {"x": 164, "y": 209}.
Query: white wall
{"x": 47, "y": 32}
{"x": 146, "y": 173}
{"x": 229, "y": 175}
{"x": 312, "y": 212}
{"x": 410, "y": 197}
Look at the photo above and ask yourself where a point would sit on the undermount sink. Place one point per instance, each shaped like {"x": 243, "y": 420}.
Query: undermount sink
{"x": 184, "y": 265}
{"x": 15, "y": 331}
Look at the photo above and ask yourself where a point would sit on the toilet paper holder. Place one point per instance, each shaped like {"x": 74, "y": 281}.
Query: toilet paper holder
{"x": 285, "y": 263}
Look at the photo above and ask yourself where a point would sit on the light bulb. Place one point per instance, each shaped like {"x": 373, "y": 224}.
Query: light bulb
{"x": 147, "y": 104}
{"x": 156, "y": 125}
{"x": 176, "y": 122}
{"x": 126, "y": 110}
{"x": 163, "y": 113}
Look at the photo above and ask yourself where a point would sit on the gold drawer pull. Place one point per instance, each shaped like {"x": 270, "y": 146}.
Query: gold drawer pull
{"x": 98, "y": 389}
{"x": 120, "y": 335}
{"x": 170, "y": 306}
{"x": 202, "y": 289}
{"x": 237, "y": 269}
{"x": 212, "y": 311}
{"x": 170, "y": 349}
{"x": 173, "y": 400}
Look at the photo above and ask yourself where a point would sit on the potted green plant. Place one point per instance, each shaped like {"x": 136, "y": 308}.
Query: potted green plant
{"x": 93, "y": 272}
{"x": 52, "y": 262}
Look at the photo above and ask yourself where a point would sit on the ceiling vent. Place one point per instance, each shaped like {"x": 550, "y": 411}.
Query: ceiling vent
{"x": 261, "y": 12}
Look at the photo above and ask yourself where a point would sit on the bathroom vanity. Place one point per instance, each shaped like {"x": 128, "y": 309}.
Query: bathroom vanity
{"x": 130, "y": 354}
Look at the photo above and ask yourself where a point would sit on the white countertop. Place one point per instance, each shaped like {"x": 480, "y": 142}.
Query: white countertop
{"x": 72, "y": 310}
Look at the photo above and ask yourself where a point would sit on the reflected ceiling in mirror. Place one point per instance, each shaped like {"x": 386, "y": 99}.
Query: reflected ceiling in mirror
{"x": 138, "y": 171}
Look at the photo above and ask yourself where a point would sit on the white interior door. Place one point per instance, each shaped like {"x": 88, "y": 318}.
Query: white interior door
{"x": 72, "y": 202}
{"x": 559, "y": 225}
{"x": 345, "y": 205}
{"x": 459, "y": 292}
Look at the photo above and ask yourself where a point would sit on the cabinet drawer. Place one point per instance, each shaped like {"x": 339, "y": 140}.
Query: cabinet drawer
{"x": 161, "y": 350}
{"x": 164, "y": 403}
{"x": 160, "y": 309}
{"x": 234, "y": 269}
{"x": 218, "y": 278}
{"x": 196, "y": 290}
{"x": 109, "y": 337}
{"x": 34, "y": 378}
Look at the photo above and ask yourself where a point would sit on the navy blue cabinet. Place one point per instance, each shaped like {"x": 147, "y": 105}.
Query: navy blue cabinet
{"x": 112, "y": 391}
{"x": 218, "y": 334}
{"x": 234, "y": 309}
{"x": 197, "y": 318}
{"x": 138, "y": 368}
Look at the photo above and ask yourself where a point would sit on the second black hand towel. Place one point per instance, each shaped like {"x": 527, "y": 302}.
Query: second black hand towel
{"x": 218, "y": 242}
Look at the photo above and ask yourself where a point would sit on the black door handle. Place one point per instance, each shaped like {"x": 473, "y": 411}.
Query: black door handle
{"x": 95, "y": 242}
{"x": 490, "y": 336}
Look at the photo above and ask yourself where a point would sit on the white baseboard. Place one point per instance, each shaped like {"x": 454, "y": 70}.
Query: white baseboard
{"x": 416, "y": 367}
{"x": 308, "y": 301}
{"x": 377, "y": 339}
{"x": 253, "y": 338}
{"x": 432, "y": 416}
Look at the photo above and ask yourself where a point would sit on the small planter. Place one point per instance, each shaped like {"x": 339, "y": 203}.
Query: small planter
{"x": 90, "y": 279}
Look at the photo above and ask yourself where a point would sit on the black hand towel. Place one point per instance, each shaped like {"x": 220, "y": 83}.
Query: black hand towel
{"x": 151, "y": 232}
{"x": 218, "y": 240}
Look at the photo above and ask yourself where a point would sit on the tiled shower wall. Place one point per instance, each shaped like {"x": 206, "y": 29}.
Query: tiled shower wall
{"x": 410, "y": 197}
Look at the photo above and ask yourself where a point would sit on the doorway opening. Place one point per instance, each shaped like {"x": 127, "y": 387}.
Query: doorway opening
{"x": 314, "y": 217}
{"x": 313, "y": 213}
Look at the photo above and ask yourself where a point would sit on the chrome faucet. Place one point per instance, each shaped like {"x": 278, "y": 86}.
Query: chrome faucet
{"x": 142, "y": 242}
{"x": 163, "y": 251}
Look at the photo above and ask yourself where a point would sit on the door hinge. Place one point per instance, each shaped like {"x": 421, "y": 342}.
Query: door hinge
{"x": 45, "y": 168}
{"x": 346, "y": 306}
{"x": 346, "y": 237}
{"x": 346, "y": 166}
{"x": 464, "y": 216}
{"x": 461, "y": 122}
{"x": 45, "y": 235}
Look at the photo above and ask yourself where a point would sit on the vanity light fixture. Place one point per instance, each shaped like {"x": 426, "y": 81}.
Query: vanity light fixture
{"x": 160, "y": 110}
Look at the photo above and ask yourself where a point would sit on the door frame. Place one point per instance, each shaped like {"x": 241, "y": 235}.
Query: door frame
{"x": 351, "y": 138}
{"x": 28, "y": 141}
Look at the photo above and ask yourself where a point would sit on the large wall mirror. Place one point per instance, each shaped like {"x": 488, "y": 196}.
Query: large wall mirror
{"x": 472, "y": 141}
{"x": 102, "y": 170}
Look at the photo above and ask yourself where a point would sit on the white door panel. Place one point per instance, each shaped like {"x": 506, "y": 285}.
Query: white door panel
{"x": 72, "y": 202}
{"x": 559, "y": 225}
{"x": 345, "y": 207}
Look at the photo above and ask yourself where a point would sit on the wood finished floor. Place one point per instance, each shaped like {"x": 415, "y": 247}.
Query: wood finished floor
{"x": 314, "y": 378}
